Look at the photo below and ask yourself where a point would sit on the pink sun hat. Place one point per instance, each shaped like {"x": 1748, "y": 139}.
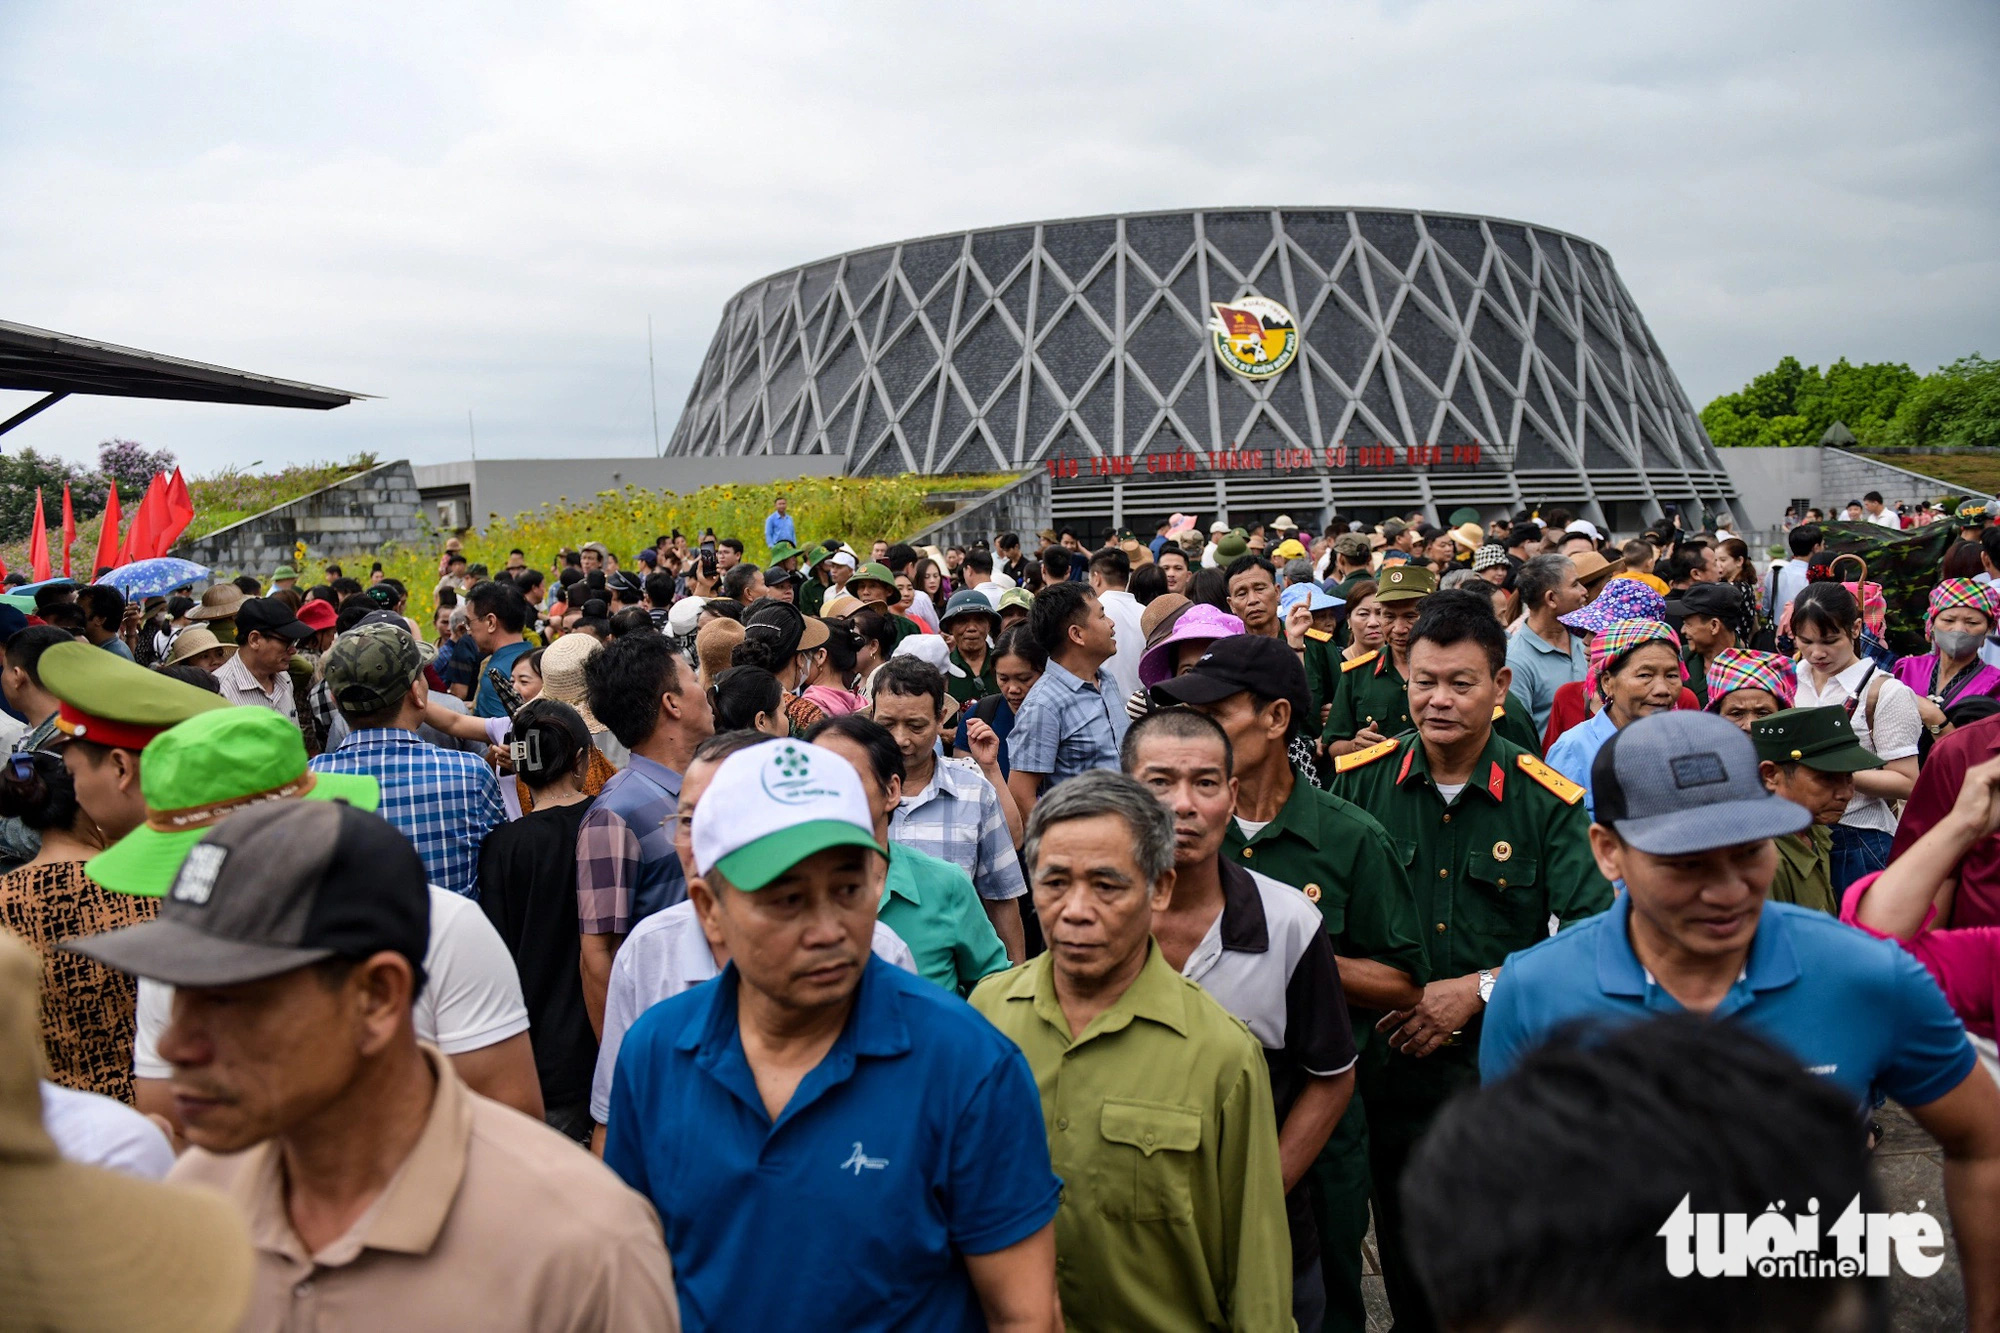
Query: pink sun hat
{"x": 1200, "y": 621}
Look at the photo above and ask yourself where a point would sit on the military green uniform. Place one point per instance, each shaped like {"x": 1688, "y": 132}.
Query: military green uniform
{"x": 973, "y": 685}
{"x": 1805, "y": 870}
{"x": 811, "y": 595}
{"x": 1347, "y": 867}
{"x": 1322, "y": 663}
{"x": 1488, "y": 869}
{"x": 1370, "y": 692}
{"x": 1514, "y": 722}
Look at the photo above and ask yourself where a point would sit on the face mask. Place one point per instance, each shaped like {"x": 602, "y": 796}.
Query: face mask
{"x": 1957, "y": 642}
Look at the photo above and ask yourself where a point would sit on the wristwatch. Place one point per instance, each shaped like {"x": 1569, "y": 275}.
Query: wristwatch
{"x": 1486, "y": 980}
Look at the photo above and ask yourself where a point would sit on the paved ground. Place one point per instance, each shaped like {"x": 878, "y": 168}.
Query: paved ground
{"x": 1910, "y": 1166}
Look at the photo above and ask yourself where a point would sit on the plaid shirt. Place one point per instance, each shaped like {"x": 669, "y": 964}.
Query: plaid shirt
{"x": 1067, "y": 725}
{"x": 444, "y": 801}
{"x": 626, "y": 868}
{"x": 957, "y": 819}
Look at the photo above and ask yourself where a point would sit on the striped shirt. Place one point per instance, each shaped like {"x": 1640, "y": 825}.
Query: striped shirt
{"x": 444, "y": 801}
{"x": 957, "y": 818}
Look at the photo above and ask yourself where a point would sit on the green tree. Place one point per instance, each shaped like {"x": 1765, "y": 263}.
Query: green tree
{"x": 22, "y": 472}
{"x": 1791, "y": 404}
{"x": 1957, "y": 406}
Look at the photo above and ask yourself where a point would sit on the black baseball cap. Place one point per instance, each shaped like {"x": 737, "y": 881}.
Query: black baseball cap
{"x": 278, "y": 887}
{"x": 269, "y": 615}
{"x": 1266, "y": 667}
{"x": 1706, "y": 599}
{"x": 1683, "y": 782}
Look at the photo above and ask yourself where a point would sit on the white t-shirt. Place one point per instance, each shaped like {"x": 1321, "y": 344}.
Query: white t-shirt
{"x": 1449, "y": 790}
{"x": 1251, "y": 827}
{"x": 471, "y": 997}
{"x": 1898, "y": 725}
{"x": 97, "y": 1131}
{"x": 664, "y": 955}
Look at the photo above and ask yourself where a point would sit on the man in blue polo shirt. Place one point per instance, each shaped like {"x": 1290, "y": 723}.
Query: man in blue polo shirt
{"x": 830, "y": 1143}
{"x": 1684, "y": 821}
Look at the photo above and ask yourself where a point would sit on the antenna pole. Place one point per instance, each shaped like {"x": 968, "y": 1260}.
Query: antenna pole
{"x": 653, "y": 383}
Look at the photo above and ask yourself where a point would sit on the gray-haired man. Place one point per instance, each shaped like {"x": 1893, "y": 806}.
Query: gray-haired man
{"x": 1156, "y": 1100}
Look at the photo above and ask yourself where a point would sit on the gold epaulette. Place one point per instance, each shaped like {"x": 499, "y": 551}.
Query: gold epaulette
{"x": 1499, "y": 711}
{"x": 1362, "y": 660}
{"x": 1324, "y": 636}
{"x": 1561, "y": 787}
{"x": 1354, "y": 759}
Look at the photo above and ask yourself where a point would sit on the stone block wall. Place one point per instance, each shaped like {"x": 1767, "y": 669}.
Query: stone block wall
{"x": 349, "y": 518}
{"x": 1019, "y": 506}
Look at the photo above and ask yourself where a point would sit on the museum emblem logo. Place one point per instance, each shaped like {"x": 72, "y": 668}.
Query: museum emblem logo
{"x": 1254, "y": 336}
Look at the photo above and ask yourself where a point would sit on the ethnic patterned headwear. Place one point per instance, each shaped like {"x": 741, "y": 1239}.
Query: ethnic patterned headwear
{"x": 1621, "y": 638}
{"x": 1746, "y": 669}
{"x": 1961, "y": 592}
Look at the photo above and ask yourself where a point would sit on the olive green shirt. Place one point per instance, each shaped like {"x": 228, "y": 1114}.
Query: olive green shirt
{"x": 1805, "y": 870}
{"x": 1370, "y": 692}
{"x": 1331, "y": 850}
{"x": 972, "y": 686}
{"x": 811, "y": 595}
{"x": 1161, "y": 1126}
{"x": 1517, "y": 724}
{"x": 1491, "y": 868}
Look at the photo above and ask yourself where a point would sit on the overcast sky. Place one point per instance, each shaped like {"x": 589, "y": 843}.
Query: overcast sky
{"x": 477, "y": 206}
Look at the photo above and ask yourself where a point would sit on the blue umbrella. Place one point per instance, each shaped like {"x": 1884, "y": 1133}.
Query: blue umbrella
{"x": 152, "y": 578}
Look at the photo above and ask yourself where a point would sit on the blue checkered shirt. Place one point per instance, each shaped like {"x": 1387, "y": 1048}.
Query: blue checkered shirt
{"x": 444, "y": 801}
{"x": 1067, "y": 725}
{"x": 957, "y": 818}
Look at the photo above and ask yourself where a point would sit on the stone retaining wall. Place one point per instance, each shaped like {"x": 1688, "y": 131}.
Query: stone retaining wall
{"x": 354, "y": 517}
{"x": 1021, "y": 505}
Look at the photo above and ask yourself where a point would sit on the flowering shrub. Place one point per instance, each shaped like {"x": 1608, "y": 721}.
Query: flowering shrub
{"x": 856, "y": 509}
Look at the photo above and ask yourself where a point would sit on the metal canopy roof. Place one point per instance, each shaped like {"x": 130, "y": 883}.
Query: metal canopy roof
{"x": 60, "y": 364}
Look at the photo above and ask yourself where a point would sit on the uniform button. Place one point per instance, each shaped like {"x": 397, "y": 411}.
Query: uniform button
{"x": 1444, "y": 872}
{"x": 1440, "y": 927}
{"x": 1063, "y": 1123}
{"x": 1447, "y": 819}
{"x": 1502, "y": 883}
{"x": 1249, "y": 852}
{"x": 1148, "y": 1140}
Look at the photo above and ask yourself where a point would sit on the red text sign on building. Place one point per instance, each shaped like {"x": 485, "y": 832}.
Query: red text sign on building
{"x": 1338, "y": 458}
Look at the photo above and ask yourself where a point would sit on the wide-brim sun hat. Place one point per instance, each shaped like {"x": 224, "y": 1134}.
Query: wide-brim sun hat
{"x": 1199, "y": 623}
{"x": 200, "y": 772}
{"x": 218, "y": 602}
{"x": 193, "y": 642}
{"x": 562, "y": 674}
{"x": 1622, "y": 599}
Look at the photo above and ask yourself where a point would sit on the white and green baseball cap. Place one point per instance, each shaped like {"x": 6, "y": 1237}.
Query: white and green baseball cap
{"x": 771, "y": 806}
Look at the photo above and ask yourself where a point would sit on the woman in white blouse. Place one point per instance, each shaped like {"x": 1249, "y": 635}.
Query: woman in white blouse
{"x": 1826, "y": 625}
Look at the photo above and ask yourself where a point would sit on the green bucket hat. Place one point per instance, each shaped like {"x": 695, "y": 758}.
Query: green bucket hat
{"x": 283, "y": 572}
{"x": 784, "y": 551}
{"x": 818, "y": 555}
{"x": 203, "y": 770}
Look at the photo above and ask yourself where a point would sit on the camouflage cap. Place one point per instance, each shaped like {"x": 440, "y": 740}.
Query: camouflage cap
{"x": 369, "y": 667}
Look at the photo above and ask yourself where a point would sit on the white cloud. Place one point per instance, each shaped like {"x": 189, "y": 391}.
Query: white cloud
{"x": 466, "y": 206}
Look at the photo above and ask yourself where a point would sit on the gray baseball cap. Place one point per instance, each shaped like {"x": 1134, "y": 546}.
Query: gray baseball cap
{"x": 1683, "y": 782}
{"x": 274, "y": 888}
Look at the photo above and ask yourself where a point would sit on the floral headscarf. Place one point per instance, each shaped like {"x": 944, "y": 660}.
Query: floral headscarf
{"x": 1618, "y": 640}
{"x": 1746, "y": 669}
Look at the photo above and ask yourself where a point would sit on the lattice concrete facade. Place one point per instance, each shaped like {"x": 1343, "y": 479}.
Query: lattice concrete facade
{"x": 1088, "y": 340}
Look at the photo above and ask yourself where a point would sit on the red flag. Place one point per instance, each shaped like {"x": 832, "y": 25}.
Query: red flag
{"x": 38, "y": 543}
{"x": 145, "y": 524}
{"x": 69, "y": 529}
{"x": 107, "y": 536}
{"x": 179, "y": 512}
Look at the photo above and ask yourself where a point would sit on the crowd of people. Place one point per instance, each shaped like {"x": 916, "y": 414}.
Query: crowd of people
{"x": 1108, "y": 934}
